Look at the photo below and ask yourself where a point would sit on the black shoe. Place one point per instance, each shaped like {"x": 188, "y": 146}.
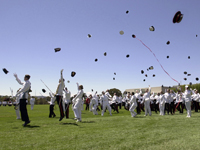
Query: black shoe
{"x": 54, "y": 116}
{"x": 61, "y": 118}
{"x": 49, "y": 116}
{"x": 26, "y": 123}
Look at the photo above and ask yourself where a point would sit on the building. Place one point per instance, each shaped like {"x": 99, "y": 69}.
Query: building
{"x": 157, "y": 89}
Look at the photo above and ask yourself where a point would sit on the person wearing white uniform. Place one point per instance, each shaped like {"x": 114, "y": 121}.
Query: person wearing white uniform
{"x": 133, "y": 104}
{"x": 161, "y": 100}
{"x": 94, "y": 105}
{"x": 137, "y": 95}
{"x": 187, "y": 95}
{"x": 51, "y": 106}
{"x": 17, "y": 107}
{"x": 195, "y": 98}
{"x": 168, "y": 101}
{"x": 146, "y": 98}
{"x": 77, "y": 101}
{"x": 23, "y": 100}
{"x": 67, "y": 100}
{"x": 105, "y": 104}
{"x": 32, "y": 102}
{"x": 114, "y": 102}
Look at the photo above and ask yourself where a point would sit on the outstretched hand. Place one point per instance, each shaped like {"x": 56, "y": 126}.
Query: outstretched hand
{"x": 15, "y": 75}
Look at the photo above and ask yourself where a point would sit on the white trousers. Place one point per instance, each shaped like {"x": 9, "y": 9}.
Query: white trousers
{"x": 94, "y": 109}
{"x": 188, "y": 107}
{"x": 162, "y": 109}
{"x": 17, "y": 113}
{"x": 77, "y": 110}
{"x": 147, "y": 108}
{"x": 106, "y": 105}
{"x": 132, "y": 109}
{"x": 32, "y": 105}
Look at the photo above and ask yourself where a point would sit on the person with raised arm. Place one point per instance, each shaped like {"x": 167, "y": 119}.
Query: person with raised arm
{"x": 77, "y": 103}
{"x": 146, "y": 98}
{"x": 59, "y": 95}
{"x": 133, "y": 105}
{"x": 105, "y": 104}
{"x": 51, "y": 106}
{"x": 67, "y": 99}
{"x": 26, "y": 86}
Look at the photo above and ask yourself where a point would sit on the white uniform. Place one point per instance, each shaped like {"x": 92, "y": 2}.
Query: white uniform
{"x": 133, "y": 105}
{"x": 94, "y": 105}
{"x": 146, "y": 98}
{"x": 17, "y": 103}
{"x": 161, "y": 99}
{"x": 67, "y": 96}
{"x": 32, "y": 102}
{"x": 105, "y": 104}
{"x": 187, "y": 97}
{"x": 77, "y": 107}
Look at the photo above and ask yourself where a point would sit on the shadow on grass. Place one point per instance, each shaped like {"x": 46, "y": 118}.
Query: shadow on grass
{"x": 70, "y": 124}
{"x": 88, "y": 122}
{"x": 30, "y": 126}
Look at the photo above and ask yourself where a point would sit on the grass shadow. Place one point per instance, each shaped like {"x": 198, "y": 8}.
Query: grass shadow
{"x": 88, "y": 122}
{"x": 30, "y": 126}
{"x": 70, "y": 124}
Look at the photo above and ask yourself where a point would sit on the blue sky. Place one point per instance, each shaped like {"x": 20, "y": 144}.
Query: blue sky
{"x": 30, "y": 30}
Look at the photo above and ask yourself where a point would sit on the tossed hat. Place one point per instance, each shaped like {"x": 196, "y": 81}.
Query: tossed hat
{"x": 43, "y": 90}
{"x": 197, "y": 79}
{"x": 57, "y": 49}
{"x": 167, "y": 56}
{"x": 185, "y": 79}
{"x": 177, "y": 17}
{"x": 127, "y": 12}
{"x": 190, "y": 83}
{"x": 189, "y": 74}
{"x": 151, "y": 68}
{"x": 114, "y": 73}
{"x": 185, "y": 72}
{"x": 188, "y": 57}
{"x": 154, "y": 75}
{"x": 142, "y": 71}
{"x": 89, "y": 36}
{"x": 144, "y": 80}
{"x": 127, "y": 56}
{"x": 145, "y": 75}
{"x": 5, "y": 70}
{"x": 105, "y": 54}
{"x": 133, "y": 36}
{"x": 113, "y": 78}
{"x": 121, "y": 32}
{"x": 152, "y": 28}
{"x": 168, "y": 42}
{"x": 68, "y": 81}
{"x": 73, "y": 74}
{"x": 96, "y": 60}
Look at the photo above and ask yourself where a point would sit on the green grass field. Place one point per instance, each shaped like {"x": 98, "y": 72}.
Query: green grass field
{"x": 119, "y": 131}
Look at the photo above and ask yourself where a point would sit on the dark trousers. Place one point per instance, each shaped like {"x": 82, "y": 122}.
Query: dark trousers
{"x": 156, "y": 106}
{"x": 142, "y": 107}
{"x": 67, "y": 110}
{"x": 60, "y": 104}
{"x": 23, "y": 110}
{"x": 87, "y": 106}
{"x": 196, "y": 106}
{"x": 172, "y": 107}
{"x": 138, "y": 108}
{"x": 51, "y": 111}
{"x": 180, "y": 107}
{"x": 168, "y": 108}
{"x": 114, "y": 106}
{"x": 120, "y": 105}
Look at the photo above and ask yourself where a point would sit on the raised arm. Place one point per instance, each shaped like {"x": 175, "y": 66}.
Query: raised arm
{"x": 18, "y": 80}
{"x": 77, "y": 85}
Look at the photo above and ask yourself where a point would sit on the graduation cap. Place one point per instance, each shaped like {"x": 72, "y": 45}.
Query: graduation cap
{"x": 189, "y": 74}
{"x": 127, "y": 56}
{"x": 142, "y": 71}
{"x": 145, "y": 75}
{"x": 188, "y": 57}
{"x": 168, "y": 42}
{"x": 57, "y": 49}
{"x": 43, "y": 90}
{"x": 167, "y": 56}
{"x": 154, "y": 75}
{"x": 197, "y": 79}
{"x": 196, "y": 35}
{"x": 113, "y": 78}
{"x": 151, "y": 68}
{"x": 144, "y": 80}
{"x": 96, "y": 60}
{"x": 89, "y": 35}
{"x": 133, "y": 36}
{"x": 185, "y": 72}
{"x": 114, "y": 73}
{"x": 73, "y": 74}
{"x": 185, "y": 79}
{"x": 147, "y": 69}
{"x": 121, "y": 32}
{"x": 5, "y": 70}
{"x": 127, "y": 12}
{"x": 105, "y": 54}
{"x": 177, "y": 17}
{"x": 190, "y": 83}
{"x": 68, "y": 81}
{"x": 92, "y": 90}
{"x": 152, "y": 28}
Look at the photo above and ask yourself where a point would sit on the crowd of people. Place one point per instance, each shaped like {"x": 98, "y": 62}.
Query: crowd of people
{"x": 164, "y": 103}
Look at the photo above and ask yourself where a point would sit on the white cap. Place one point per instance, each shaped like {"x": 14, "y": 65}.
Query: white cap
{"x": 186, "y": 86}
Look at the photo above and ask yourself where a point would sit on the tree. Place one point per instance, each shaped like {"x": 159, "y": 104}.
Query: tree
{"x": 114, "y": 90}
